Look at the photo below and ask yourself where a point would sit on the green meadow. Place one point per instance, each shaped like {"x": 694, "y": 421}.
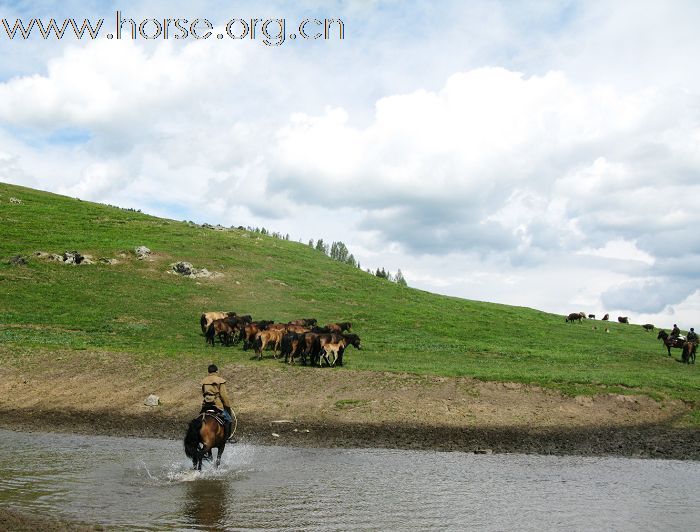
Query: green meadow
{"x": 138, "y": 308}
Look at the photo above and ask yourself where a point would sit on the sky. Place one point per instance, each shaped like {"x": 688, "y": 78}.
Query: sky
{"x": 542, "y": 154}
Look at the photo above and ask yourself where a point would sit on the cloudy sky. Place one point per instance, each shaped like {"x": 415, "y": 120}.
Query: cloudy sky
{"x": 544, "y": 154}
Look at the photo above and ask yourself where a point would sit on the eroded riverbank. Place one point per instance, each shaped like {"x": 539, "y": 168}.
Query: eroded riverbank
{"x": 277, "y": 404}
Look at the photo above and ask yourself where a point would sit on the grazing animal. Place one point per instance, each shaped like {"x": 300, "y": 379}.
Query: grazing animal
{"x": 204, "y": 433}
{"x": 574, "y": 316}
{"x": 330, "y": 351}
{"x": 268, "y": 337}
{"x": 689, "y": 349}
{"x": 350, "y": 339}
{"x": 223, "y": 329}
{"x": 305, "y": 322}
{"x": 606, "y": 317}
{"x": 299, "y": 329}
{"x": 339, "y": 327}
{"x": 623, "y": 319}
{"x": 291, "y": 343}
{"x": 307, "y": 341}
{"x": 670, "y": 341}
{"x": 591, "y": 316}
{"x": 207, "y": 317}
{"x": 648, "y": 327}
{"x": 249, "y": 331}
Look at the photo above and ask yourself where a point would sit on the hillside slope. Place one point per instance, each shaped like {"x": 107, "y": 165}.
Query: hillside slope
{"x": 136, "y": 307}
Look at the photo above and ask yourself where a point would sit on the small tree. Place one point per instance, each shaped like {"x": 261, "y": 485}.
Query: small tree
{"x": 399, "y": 278}
{"x": 320, "y": 246}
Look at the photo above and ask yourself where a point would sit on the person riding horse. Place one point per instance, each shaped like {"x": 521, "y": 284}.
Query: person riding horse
{"x": 215, "y": 397}
{"x": 692, "y": 336}
{"x": 676, "y": 332}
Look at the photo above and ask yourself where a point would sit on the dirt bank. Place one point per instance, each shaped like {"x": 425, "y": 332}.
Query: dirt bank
{"x": 276, "y": 404}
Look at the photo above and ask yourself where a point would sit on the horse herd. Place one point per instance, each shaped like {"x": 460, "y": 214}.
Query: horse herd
{"x": 689, "y": 348}
{"x": 299, "y": 339}
{"x": 578, "y": 316}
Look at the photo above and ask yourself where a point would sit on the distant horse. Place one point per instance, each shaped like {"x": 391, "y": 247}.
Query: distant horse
{"x": 339, "y": 327}
{"x": 204, "y": 433}
{"x": 648, "y": 327}
{"x": 591, "y": 316}
{"x": 207, "y": 317}
{"x": 606, "y": 317}
{"x": 670, "y": 341}
{"x": 689, "y": 349}
{"x": 574, "y": 316}
{"x": 623, "y": 319}
{"x": 223, "y": 329}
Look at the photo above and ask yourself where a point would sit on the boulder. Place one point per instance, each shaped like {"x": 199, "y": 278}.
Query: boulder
{"x": 184, "y": 268}
{"x": 142, "y": 252}
{"x": 72, "y": 257}
{"x": 152, "y": 400}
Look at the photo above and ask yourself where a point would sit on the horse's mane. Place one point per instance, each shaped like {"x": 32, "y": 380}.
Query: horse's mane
{"x": 192, "y": 437}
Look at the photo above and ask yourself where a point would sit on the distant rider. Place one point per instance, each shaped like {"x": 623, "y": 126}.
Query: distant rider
{"x": 215, "y": 397}
{"x": 676, "y": 332}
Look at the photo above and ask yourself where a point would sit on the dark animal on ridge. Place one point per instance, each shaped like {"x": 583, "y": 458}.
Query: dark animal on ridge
{"x": 648, "y": 327}
{"x": 591, "y": 316}
{"x": 623, "y": 319}
{"x": 606, "y": 317}
{"x": 574, "y": 316}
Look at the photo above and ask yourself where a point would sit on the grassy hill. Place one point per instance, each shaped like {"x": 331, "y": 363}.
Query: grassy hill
{"x": 138, "y": 308}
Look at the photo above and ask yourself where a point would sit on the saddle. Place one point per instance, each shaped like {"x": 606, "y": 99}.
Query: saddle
{"x": 213, "y": 414}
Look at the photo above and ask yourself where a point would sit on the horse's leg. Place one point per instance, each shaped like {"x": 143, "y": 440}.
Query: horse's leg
{"x": 219, "y": 452}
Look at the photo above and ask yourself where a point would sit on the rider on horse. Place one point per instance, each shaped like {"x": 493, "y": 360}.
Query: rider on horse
{"x": 676, "y": 332}
{"x": 215, "y": 397}
{"x": 692, "y": 336}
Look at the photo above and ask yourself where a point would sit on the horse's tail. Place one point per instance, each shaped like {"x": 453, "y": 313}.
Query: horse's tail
{"x": 192, "y": 437}
{"x": 203, "y": 323}
{"x": 210, "y": 334}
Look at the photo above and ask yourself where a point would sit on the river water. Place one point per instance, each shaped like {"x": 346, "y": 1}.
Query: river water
{"x": 147, "y": 484}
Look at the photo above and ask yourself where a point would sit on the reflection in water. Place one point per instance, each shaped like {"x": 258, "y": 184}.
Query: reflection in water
{"x": 146, "y": 484}
{"x": 205, "y": 503}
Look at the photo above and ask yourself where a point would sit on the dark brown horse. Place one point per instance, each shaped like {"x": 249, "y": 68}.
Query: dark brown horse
{"x": 689, "y": 349}
{"x": 204, "y": 433}
{"x": 574, "y": 316}
{"x": 670, "y": 341}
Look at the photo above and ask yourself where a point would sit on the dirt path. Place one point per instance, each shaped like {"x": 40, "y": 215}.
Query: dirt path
{"x": 277, "y": 404}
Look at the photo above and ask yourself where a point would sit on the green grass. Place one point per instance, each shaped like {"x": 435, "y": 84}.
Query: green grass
{"x": 136, "y": 307}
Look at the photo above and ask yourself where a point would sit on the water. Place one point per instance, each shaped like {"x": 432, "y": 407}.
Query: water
{"x": 147, "y": 484}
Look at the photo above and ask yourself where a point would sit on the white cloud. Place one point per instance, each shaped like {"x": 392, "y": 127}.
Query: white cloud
{"x": 558, "y": 177}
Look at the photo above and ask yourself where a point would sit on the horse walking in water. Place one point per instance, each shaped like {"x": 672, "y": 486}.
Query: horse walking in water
{"x": 204, "y": 433}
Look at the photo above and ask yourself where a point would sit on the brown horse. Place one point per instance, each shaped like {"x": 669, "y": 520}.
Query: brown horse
{"x": 689, "y": 349}
{"x": 670, "y": 341}
{"x": 204, "y": 433}
{"x": 207, "y": 317}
